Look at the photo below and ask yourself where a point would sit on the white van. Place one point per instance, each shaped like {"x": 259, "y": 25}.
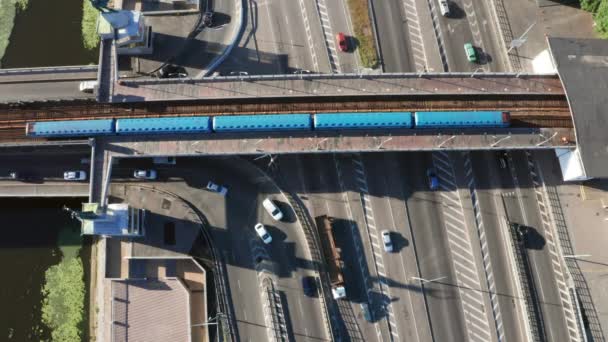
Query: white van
{"x": 444, "y": 8}
{"x": 87, "y": 86}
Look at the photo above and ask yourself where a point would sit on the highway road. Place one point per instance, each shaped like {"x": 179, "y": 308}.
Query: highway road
{"x": 232, "y": 219}
{"x": 490, "y": 186}
{"x": 394, "y": 35}
{"x": 40, "y": 91}
{"x": 373, "y": 192}
{"x": 524, "y": 209}
{"x": 469, "y": 22}
{"x": 280, "y": 37}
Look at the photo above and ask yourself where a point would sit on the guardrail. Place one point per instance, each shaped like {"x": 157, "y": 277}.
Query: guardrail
{"x": 48, "y": 70}
{"x": 285, "y": 77}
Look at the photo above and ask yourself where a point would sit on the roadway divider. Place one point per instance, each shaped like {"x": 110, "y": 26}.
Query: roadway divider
{"x": 237, "y": 32}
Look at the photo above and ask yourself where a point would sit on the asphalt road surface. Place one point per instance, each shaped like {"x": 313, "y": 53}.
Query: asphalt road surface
{"x": 232, "y": 219}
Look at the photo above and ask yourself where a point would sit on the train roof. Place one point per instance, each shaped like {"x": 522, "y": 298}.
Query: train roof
{"x": 363, "y": 120}
{"x": 72, "y": 128}
{"x": 163, "y": 125}
{"x": 261, "y": 122}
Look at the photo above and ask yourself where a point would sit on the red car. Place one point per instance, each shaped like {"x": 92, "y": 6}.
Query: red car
{"x": 342, "y": 44}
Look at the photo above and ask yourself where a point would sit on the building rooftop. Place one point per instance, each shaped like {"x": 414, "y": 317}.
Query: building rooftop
{"x": 150, "y": 310}
{"x": 582, "y": 65}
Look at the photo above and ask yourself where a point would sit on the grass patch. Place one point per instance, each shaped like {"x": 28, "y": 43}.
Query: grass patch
{"x": 8, "y": 11}
{"x": 64, "y": 291}
{"x": 90, "y": 38}
{"x": 363, "y": 32}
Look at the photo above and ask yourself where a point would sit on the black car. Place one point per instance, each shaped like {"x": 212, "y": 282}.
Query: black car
{"x": 208, "y": 19}
{"x": 309, "y": 285}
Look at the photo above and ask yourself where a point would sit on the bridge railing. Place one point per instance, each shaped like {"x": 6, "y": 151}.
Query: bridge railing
{"x": 48, "y": 70}
{"x": 312, "y": 77}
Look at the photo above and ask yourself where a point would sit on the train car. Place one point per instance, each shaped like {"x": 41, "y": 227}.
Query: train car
{"x": 71, "y": 128}
{"x": 367, "y": 120}
{"x": 170, "y": 125}
{"x": 461, "y": 119}
{"x": 261, "y": 122}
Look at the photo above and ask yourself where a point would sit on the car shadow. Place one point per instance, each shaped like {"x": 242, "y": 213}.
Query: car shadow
{"x": 399, "y": 242}
{"x": 456, "y": 12}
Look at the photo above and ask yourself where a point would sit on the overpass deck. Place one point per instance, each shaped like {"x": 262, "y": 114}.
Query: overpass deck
{"x": 336, "y": 85}
{"x": 44, "y": 84}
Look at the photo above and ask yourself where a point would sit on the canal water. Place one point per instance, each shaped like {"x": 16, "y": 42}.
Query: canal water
{"x": 28, "y": 247}
{"x": 48, "y": 33}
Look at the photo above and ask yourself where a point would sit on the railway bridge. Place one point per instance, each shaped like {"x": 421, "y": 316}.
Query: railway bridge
{"x": 562, "y": 111}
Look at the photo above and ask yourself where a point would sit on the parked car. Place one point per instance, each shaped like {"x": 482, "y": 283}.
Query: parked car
{"x": 272, "y": 209}
{"x": 74, "y": 175}
{"x": 444, "y": 8}
{"x": 432, "y": 179}
{"x": 342, "y": 43}
{"x": 144, "y": 174}
{"x": 470, "y": 52}
{"x": 263, "y": 233}
{"x": 217, "y": 188}
{"x": 309, "y": 285}
{"x": 386, "y": 241}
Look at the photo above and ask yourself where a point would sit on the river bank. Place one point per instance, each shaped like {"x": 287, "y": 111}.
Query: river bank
{"x": 28, "y": 249}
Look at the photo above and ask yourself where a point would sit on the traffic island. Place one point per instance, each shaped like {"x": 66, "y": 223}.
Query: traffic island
{"x": 364, "y": 33}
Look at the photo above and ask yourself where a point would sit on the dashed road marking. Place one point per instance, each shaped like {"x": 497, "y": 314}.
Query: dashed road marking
{"x": 477, "y": 325}
{"x": 566, "y": 299}
{"x": 417, "y": 44}
{"x": 330, "y": 43}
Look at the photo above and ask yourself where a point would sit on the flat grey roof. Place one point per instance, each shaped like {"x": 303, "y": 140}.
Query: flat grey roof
{"x": 582, "y": 65}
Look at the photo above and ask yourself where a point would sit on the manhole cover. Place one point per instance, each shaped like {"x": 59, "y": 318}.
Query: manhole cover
{"x": 166, "y": 204}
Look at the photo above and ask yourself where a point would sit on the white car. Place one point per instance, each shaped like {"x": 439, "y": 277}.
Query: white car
{"x": 144, "y": 174}
{"x": 386, "y": 241}
{"x": 74, "y": 175}
{"x": 444, "y": 8}
{"x": 272, "y": 209}
{"x": 87, "y": 86}
{"x": 217, "y": 188}
{"x": 263, "y": 233}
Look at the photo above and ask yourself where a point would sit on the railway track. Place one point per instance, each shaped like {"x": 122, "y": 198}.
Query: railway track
{"x": 531, "y": 111}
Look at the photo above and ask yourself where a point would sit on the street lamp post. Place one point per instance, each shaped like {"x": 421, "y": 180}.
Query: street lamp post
{"x": 515, "y": 43}
{"x": 423, "y": 280}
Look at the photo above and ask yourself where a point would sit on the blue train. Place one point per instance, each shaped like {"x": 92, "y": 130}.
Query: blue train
{"x": 270, "y": 122}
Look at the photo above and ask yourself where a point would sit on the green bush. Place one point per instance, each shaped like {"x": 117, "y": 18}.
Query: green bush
{"x": 8, "y": 10}
{"x": 590, "y": 5}
{"x": 363, "y": 32}
{"x": 601, "y": 19}
{"x": 90, "y": 38}
{"x": 64, "y": 292}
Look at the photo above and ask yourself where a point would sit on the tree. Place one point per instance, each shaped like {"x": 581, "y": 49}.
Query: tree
{"x": 590, "y": 5}
{"x": 601, "y": 19}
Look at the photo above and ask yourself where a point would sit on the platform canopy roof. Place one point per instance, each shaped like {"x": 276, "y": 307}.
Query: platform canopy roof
{"x": 582, "y": 65}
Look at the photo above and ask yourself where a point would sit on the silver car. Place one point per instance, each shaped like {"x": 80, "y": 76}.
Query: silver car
{"x": 386, "y": 241}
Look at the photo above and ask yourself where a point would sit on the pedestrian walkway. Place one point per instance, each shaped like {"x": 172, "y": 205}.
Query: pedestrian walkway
{"x": 532, "y": 21}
